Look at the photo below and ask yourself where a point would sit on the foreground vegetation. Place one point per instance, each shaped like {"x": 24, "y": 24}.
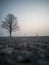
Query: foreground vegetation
{"x": 24, "y": 50}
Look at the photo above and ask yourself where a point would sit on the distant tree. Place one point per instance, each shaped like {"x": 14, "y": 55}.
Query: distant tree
{"x": 37, "y": 34}
{"x": 10, "y": 23}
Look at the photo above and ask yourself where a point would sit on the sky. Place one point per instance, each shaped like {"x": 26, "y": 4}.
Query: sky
{"x": 32, "y": 16}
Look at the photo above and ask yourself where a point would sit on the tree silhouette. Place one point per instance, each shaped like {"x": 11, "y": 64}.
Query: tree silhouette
{"x": 10, "y": 23}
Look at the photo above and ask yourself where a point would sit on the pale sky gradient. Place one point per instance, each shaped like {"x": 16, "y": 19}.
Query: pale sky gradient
{"x": 33, "y": 16}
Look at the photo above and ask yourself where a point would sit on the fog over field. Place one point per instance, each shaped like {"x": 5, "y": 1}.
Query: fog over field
{"x": 24, "y": 32}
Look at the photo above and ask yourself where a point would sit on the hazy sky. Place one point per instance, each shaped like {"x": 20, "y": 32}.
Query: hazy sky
{"x": 32, "y": 15}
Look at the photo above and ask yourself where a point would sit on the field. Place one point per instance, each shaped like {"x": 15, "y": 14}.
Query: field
{"x": 24, "y": 50}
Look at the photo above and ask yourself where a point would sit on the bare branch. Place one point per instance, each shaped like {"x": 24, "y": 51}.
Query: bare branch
{"x": 10, "y": 23}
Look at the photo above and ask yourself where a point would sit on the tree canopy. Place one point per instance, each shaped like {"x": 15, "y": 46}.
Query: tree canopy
{"x": 10, "y": 23}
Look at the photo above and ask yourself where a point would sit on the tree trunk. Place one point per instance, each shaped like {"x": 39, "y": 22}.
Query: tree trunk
{"x": 10, "y": 33}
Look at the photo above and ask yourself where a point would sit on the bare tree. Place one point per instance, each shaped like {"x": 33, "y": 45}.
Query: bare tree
{"x": 10, "y": 23}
